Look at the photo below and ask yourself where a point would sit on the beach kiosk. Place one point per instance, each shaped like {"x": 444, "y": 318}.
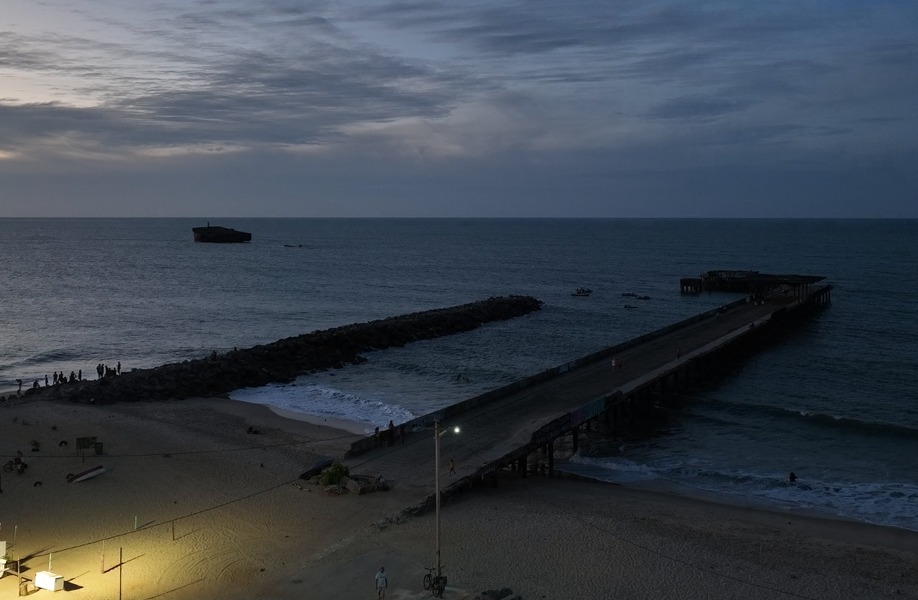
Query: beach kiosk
{"x": 46, "y": 580}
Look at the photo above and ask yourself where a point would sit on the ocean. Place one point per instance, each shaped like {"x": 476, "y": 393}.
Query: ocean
{"x": 836, "y": 402}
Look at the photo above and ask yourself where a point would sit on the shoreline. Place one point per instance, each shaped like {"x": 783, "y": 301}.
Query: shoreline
{"x": 288, "y": 420}
{"x": 827, "y": 526}
{"x": 741, "y": 502}
{"x": 654, "y": 487}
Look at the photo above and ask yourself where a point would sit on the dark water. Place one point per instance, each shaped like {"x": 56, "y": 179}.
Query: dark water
{"x": 836, "y": 402}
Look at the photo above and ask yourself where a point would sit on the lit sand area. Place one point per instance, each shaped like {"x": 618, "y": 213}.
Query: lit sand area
{"x": 221, "y": 513}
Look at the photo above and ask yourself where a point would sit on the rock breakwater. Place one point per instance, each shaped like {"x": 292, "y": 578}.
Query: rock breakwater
{"x": 282, "y": 361}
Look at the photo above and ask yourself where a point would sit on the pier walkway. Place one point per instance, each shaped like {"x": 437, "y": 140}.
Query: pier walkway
{"x": 527, "y": 418}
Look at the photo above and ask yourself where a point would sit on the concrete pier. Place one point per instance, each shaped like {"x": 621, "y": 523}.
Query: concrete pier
{"x": 518, "y": 426}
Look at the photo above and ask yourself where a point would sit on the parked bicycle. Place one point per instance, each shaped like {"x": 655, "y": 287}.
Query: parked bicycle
{"x": 435, "y": 583}
{"x": 15, "y": 465}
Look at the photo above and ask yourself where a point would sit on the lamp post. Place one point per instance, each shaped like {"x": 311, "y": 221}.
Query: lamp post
{"x": 437, "y": 434}
{"x": 437, "y": 486}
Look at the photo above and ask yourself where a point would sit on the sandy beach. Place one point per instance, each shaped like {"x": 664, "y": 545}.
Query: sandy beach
{"x": 196, "y": 506}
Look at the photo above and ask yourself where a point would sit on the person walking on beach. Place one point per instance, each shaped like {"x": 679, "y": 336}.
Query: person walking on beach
{"x": 382, "y": 582}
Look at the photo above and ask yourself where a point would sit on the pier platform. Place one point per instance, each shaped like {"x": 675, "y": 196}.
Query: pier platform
{"x": 506, "y": 427}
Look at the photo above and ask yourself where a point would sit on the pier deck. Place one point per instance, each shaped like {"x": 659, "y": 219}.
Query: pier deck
{"x": 504, "y": 431}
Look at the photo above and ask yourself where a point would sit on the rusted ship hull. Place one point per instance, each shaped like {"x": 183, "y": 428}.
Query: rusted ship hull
{"x": 220, "y": 235}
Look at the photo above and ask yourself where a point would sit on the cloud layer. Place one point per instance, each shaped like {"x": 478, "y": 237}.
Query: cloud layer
{"x": 605, "y": 109}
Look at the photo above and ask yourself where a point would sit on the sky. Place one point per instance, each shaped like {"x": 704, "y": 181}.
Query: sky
{"x": 607, "y": 109}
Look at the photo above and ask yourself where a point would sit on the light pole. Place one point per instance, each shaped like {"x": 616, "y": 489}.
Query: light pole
{"x": 437, "y": 434}
{"x": 437, "y": 486}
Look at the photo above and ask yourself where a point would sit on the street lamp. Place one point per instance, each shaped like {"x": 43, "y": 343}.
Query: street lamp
{"x": 437, "y": 434}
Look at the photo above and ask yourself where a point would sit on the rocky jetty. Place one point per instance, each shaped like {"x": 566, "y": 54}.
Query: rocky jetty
{"x": 282, "y": 361}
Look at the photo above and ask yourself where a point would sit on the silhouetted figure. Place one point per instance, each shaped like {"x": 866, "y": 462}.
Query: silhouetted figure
{"x": 118, "y": 368}
{"x": 792, "y": 477}
{"x": 390, "y": 432}
{"x": 46, "y": 381}
{"x": 80, "y": 375}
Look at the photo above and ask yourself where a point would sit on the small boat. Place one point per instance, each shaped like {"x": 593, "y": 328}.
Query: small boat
{"x": 582, "y": 292}
{"x": 220, "y": 235}
{"x": 629, "y": 295}
{"x": 87, "y": 474}
{"x": 643, "y": 297}
{"x": 630, "y": 306}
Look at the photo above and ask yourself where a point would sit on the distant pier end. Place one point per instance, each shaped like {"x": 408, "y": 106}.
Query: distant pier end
{"x": 752, "y": 283}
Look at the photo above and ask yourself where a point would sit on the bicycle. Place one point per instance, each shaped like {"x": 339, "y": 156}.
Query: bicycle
{"x": 435, "y": 583}
{"x": 12, "y": 465}
{"x": 438, "y": 586}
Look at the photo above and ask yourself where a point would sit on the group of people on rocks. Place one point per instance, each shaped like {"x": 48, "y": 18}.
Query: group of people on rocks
{"x": 103, "y": 370}
{"x": 61, "y": 378}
